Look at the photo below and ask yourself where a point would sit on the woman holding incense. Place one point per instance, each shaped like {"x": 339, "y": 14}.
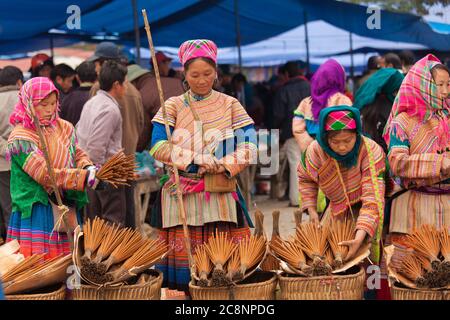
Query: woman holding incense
{"x": 349, "y": 169}
{"x": 213, "y": 140}
{"x": 34, "y": 204}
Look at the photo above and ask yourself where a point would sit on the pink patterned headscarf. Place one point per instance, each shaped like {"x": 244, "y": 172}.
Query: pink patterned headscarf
{"x": 418, "y": 97}
{"x": 199, "y": 48}
{"x": 33, "y": 92}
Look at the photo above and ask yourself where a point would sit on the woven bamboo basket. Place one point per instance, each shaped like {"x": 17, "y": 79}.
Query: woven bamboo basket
{"x": 399, "y": 292}
{"x": 259, "y": 286}
{"x": 59, "y": 294}
{"x": 148, "y": 291}
{"x": 336, "y": 287}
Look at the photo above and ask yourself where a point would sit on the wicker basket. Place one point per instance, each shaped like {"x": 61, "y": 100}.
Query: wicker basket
{"x": 399, "y": 292}
{"x": 259, "y": 286}
{"x": 147, "y": 291}
{"x": 59, "y": 294}
{"x": 336, "y": 287}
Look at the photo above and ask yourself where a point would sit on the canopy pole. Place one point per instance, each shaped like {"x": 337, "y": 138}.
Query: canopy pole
{"x": 305, "y": 21}
{"x": 238, "y": 34}
{"x": 52, "y": 47}
{"x": 352, "y": 64}
{"x": 137, "y": 36}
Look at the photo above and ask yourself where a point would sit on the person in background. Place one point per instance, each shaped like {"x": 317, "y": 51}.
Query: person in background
{"x": 11, "y": 80}
{"x": 285, "y": 102}
{"x": 374, "y": 100}
{"x": 132, "y": 112}
{"x": 164, "y": 63}
{"x": 391, "y": 60}
{"x": 145, "y": 81}
{"x": 72, "y": 106}
{"x": 62, "y": 76}
{"x": 373, "y": 64}
{"x": 41, "y": 65}
{"x": 408, "y": 59}
{"x": 100, "y": 135}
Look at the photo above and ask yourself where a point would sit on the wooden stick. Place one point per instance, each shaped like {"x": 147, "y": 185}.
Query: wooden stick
{"x": 51, "y": 173}
{"x": 187, "y": 239}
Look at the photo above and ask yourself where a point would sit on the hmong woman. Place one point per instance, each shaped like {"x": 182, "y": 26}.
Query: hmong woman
{"x": 417, "y": 134}
{"x": 327, "y": 89}
{"x": 207, "y": 208}
{"x": 349, "y": 169}
{"x": 374, "y": 100}
{"x": 32, "y": 220}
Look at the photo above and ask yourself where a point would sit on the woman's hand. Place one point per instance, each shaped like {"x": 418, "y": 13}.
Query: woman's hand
{"x": 313, "y": 216}
{"x": 355, "y": 244}
{"x": 207, "y": 163}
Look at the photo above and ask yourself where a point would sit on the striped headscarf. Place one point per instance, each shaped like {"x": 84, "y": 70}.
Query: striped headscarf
{"x": 340, "y": 120}
{"x": 32, "y": 93}
{"x": 198, "y": 48}
{"x": 418, "y": 97}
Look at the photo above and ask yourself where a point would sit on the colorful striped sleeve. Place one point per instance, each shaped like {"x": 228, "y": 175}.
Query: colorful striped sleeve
{"x": 308, "y": 186}
{"x": 369, "y": 214}
{"x": 161, "y": 149}
{"x": 245, "y": 153}
{"x": 412, "y": 169}
{"x": 34, "y": 164}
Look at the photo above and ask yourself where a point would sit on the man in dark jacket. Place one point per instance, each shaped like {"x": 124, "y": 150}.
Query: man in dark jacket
{"x": 286, "y": 101}
{"x": 145, "y": 83}
{"x": 73, "y": 104}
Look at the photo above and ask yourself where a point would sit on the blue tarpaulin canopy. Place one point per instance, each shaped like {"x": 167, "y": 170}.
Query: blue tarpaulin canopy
{"x": 24, "y": 24}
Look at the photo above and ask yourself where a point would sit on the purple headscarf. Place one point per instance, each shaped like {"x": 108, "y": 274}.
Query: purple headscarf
{"x": 328, "y": 80}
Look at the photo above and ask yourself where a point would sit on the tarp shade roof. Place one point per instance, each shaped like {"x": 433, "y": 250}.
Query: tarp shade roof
{"x": 177, "y": 20}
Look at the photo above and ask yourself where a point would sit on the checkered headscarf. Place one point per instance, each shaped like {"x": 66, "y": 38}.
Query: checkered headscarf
{"x": 340, "y": 120}
{"x": 199, "y": 48}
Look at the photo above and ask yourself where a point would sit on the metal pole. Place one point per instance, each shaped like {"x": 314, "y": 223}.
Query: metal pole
{"x": 238, "y": 34}
{"x": 305, "y": 21}
{"x": 351, "y": 56}
{"x": 137, "y": 37}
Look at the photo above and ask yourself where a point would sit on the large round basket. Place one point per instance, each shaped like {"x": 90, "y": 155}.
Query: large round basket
{"x": 399, "y": 292}
{"x": 150, "y": 290}
{"x": 336, "y": 287}
{"x": 44, "y": 294}
{"x": 259, "y": 286}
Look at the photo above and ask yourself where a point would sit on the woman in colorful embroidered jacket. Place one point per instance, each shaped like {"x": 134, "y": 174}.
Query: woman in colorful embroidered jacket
{"x": 418, "y": 137}
{"x": 32, "y": 220}
{"x": 224, "y": 156}
{"x": 327, "y": 89}
{"x": 374, "y": 100}
{"x": 349, "y": 169}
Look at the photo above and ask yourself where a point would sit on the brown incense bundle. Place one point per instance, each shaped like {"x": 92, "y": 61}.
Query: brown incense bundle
{"x": 340, "y": 230}
{"x": 149, "y": 253}
{"x": 233, "y": 267}
{"x": 251, "y": 252}
{"x": 298, "y": 218}
{"x": 270, "y": 262}
{"x": 203, "y": 265}
{"x": 120, "y": 169}
{"x": 23, "y": 267}
{"x": 412, "y": 269}
{"x": 444, "y": 238}
{"x": 291, "y": 253}
{"x": 425, "y": 242}
{"x": 113, "y": 237}
{"x": 94, "y": 231}
{"x": 131, "y": 242}
{"x": 219, "y": 249}
{"x": 313, "y": 240}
